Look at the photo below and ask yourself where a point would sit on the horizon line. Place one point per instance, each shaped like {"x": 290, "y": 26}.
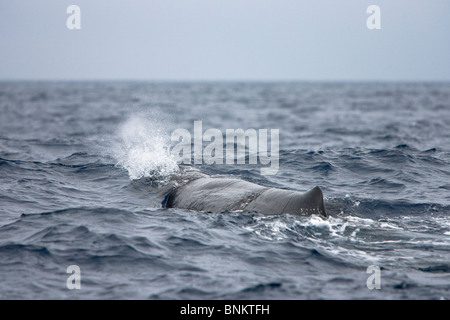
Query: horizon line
{"x": 342, "y": 80}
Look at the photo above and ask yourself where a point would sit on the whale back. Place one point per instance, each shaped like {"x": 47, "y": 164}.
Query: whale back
{"x": 221, "y": 194}
{"x": 287, "y": 201}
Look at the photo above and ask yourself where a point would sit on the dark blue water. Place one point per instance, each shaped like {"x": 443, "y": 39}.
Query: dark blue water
{"x": 73, "y": 155}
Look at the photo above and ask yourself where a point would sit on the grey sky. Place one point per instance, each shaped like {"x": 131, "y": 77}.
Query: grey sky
{"x": 225, "y": 40}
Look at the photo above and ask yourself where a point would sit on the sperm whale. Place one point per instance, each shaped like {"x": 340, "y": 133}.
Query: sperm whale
{"x": 194, "y": 190}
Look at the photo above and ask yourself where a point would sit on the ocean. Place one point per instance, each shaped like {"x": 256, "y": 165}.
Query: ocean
{"x": 77, "y": 160}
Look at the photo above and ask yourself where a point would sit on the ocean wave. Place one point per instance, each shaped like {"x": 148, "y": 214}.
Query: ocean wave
{"x": 77, "y": 162}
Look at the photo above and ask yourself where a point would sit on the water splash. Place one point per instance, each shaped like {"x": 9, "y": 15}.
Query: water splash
{"x": 143, "y": 148}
